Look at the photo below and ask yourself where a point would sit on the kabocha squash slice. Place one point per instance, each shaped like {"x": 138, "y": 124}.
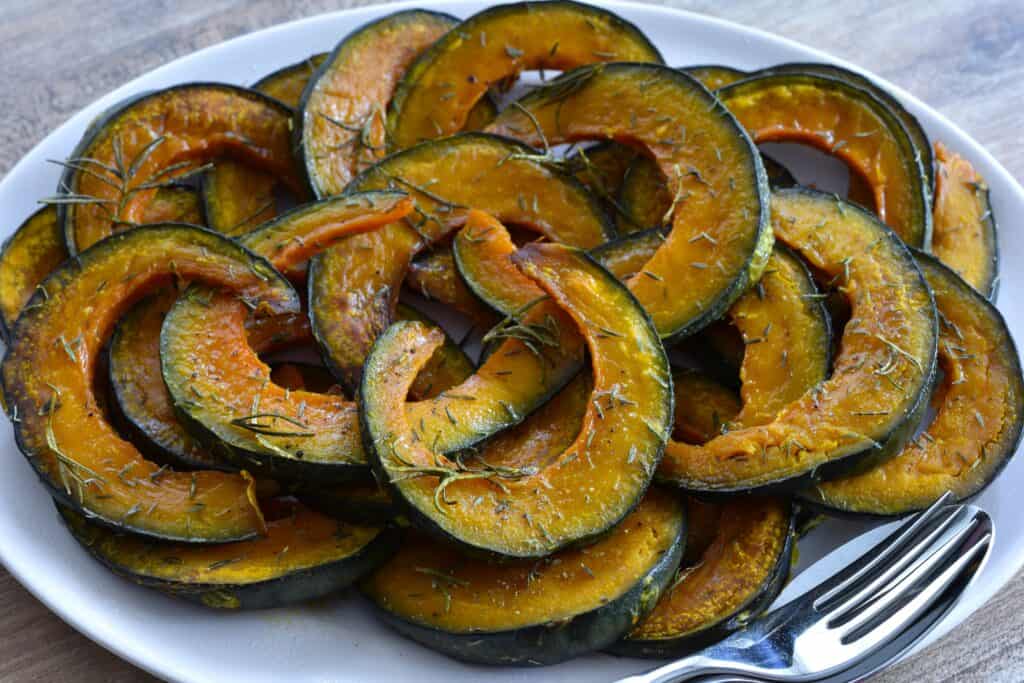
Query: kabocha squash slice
{"x": 154, "y": 140}
{"x": 611, "y": 457}
{"x": 34, "y": 250}
{"x": 48, "y": 377}
{"x": 979, "y": 409}
{"x": 601, "y": 168}
{"x": 220, "y": 387}
{"x": 918, "y": 137}
{"x": 530, "y": 612}
{"x": 721, "y": 237}
{"x": 302, "y": 557}
{"x": 174, "y": 205}
{"x": 964, "y": 235}
{"x": 715, "y": 76}
{"x": 883, "y": 373}
{"x": 626, "y": 256}
{"x": 724, "y": 582}
{"x": 237, "y": 198}
{"x": 482, "y": 250}
{"x": 137, "y": 382}
{"x": 341, "y": 120}
{"x": 645, "y": 201}
{"x": 850, "y": 123}
{"x": 492, "y": 48}
{"x": 703, "y": 406}
{"x": 287, "y": 84}
{"x": 353, "y": 287}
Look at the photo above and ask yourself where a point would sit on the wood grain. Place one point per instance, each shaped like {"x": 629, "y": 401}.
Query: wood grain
{"x": 964, "y": 58}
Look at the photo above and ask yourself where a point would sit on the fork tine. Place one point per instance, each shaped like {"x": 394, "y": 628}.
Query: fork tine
{"x": 888, "y": 577}
{"x": 870, "y": 561}
{"x": 914, "y": 580}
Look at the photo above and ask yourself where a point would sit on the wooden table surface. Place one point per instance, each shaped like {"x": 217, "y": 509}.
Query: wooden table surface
{"x": 966, "y": 59}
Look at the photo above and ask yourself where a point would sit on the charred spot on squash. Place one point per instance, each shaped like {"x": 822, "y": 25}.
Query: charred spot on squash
{"x": 736, "y": 572}
{"x": 341, "y": 121}
{"x": 721, "y": 236}
{"x": 354, "y": 286}
{"x": 492, "y": 48}
{"x": 303, "y": 556}
{"x": 531, "y": 611}
{"x": 287, "y": 84}
{"x": 849, "y": 123}
{"x": 979, "y": 409}
{"x": 882, "y": 375}
{"x": 158, "y": 138}
{"x": 964, "y": 235}
{"x": 614, "y": 450}
{"x": 48, "y": 383}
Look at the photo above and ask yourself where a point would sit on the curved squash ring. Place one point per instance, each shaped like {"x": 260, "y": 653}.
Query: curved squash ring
{"x": 341, "y": 115}
{"x": 531, "y": 612}
{"x": 883, "y": 373}
{"x": 721, "y": 236}
{"x": 492, "y": 48}
{"x": 48, "y": 384}
{"x": 158, "y": 137}
{"x": 304, "y": 556}
{"x": 979, "y": 413}
{"x": 964, "y": 235}
{"x": 850, "y": 123}
{"x": 288, "y": 83}
{"x": 282, "y": 432}
{"x": 611, "y": 460}
{"x": 34, "y": 250}
{"x": 353, "y": 287}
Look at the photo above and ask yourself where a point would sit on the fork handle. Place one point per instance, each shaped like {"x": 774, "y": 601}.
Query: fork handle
{"x": 687, "y": 668}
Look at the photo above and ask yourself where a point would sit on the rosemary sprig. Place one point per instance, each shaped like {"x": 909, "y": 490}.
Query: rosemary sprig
{"x": 532, "y": 335}
{"x": 252, "y": 423}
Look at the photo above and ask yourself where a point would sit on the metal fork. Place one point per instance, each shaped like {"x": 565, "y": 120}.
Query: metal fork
{"x": 853, "y": 615}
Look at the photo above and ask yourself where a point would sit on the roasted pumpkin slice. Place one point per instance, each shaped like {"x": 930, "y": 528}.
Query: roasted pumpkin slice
{"x": 601, "y": 168}
{"x": 645, "y": 201}
{"x": 156, "y": 139}
{"x": 482, "y": 250}
{"x": 48, "y": 383}
{"x": 303, "y": 556}
{"x": 526, "y": 611}
{"x": 922, "y": 145}
{"x": 237, "y": 198}
{"x": 493, "y": 47}
{"x": 626, "y": 256}
{"x": 342, "y": 112}
{"x": 34, "y": 250}
{"x": 354, "y": 286}
{"x": 174, "y": 205}
{"x": 287, "y": 84}
{"x": 736, "y": 573}
{"x": 979, "y": 409}
{"x": 841, "y": 119}
{"x": 882, "y": 377}
{"x": 721, "y": 236}
{"x": 965, "y": 229}
{"x": 435, "y": 277}
{"x": 715, "y": 76}
{"x": 222, "y": 389}
{"x": 614, "y": 451}
{"x": 137, "y": 382}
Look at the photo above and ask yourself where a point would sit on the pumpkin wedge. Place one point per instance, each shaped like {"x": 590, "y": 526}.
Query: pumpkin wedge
{"x": 728, "y": 579}
{"x": 721, "y": 236}
{"x": 613, "y": 454}
{"x": 883, "y": 373}
{"x": 979, "y": 410}
{"x": 353, "y": 287}
{"x": 34, "y": 250}
{"x": 287, "y": 84}
{"x": 237, "y": 198}
{"x": 435, "y": 277}
{"x": 530, "y": 612}
{"x": 964, "y": 235}
{"x": 157, "y": 138}
{"x": 492, "y": 48}
{"x": 48, "y": 383}
{"x": 843, "y": 120}
{"x": 341, "y": 116}
{"x": 302, "y": 557}
{"x": 222, "y": 389}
